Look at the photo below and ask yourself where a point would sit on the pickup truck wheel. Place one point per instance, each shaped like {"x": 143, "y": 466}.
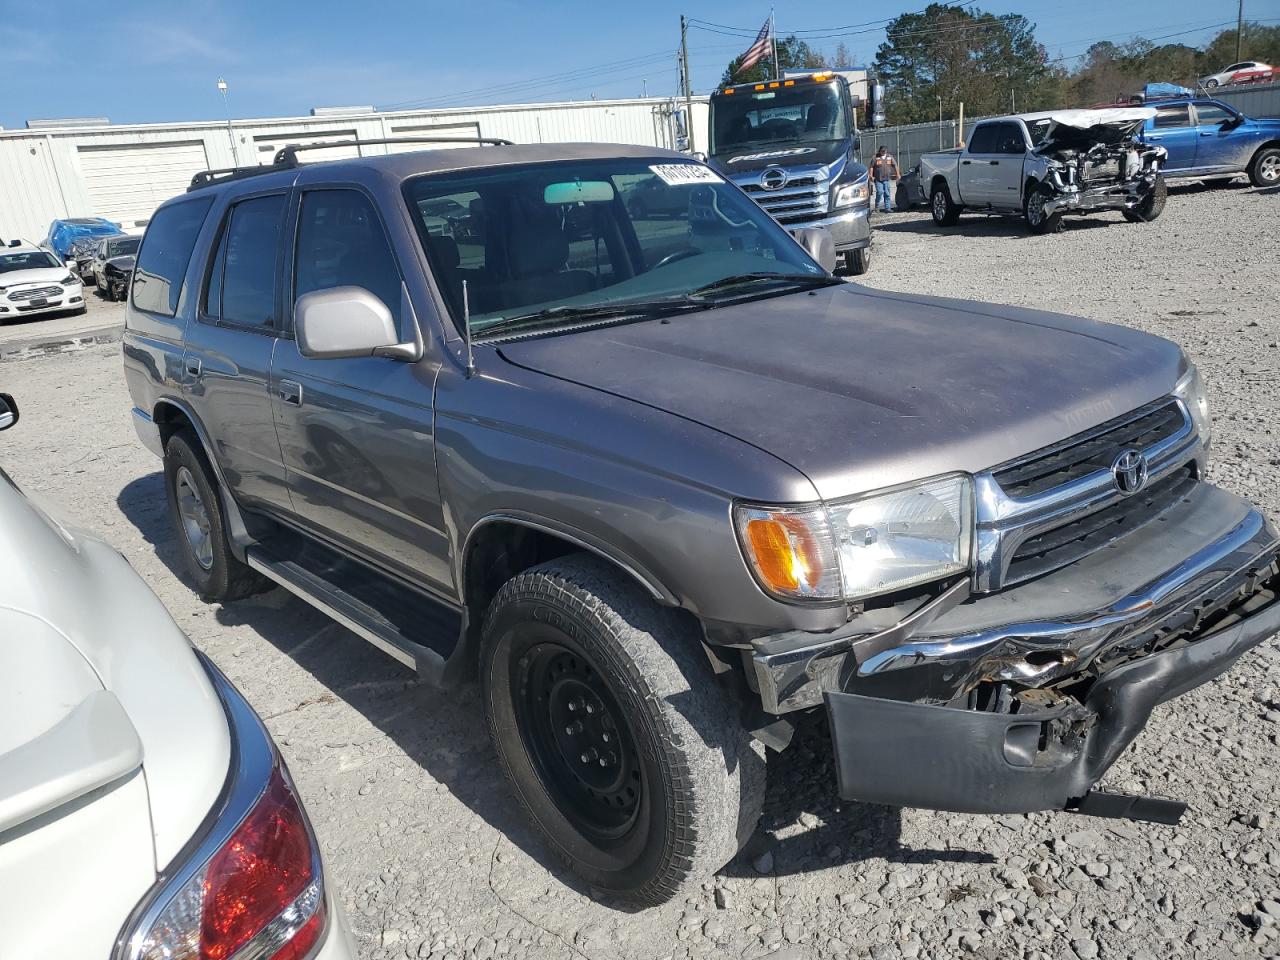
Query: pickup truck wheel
{"x": 1265, "y": 169}
{"x": 1151, "y": 206}
{"x": 617, "y": 739}
{"x": 945, "y": 211}
{"x": 197, "y": 519}
{"x": 1033, "y": 209}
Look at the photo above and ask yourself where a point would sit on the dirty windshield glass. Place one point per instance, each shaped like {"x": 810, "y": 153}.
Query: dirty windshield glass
{"x": 805, "y": 112}
{"x": 567, "y": 240}
{"x": 123, "y": 247}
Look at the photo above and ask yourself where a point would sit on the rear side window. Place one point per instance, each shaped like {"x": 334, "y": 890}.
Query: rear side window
{"x": 166, "y": 251}
{"x": 341, "y": 243}
{"x": 983, "y": 139}
{"x": 1178, "y": 116}
{"x": 242, "y": 283}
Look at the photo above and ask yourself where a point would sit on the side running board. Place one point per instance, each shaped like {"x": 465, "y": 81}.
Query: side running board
{"x": 418, "y": 631}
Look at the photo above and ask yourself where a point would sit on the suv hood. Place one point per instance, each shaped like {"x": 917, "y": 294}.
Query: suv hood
{"x": 860, "y": 389}
{"x": 40, "y": 275}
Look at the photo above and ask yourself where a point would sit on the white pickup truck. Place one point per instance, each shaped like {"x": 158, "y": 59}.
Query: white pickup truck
{"x": 1043, "y": 165}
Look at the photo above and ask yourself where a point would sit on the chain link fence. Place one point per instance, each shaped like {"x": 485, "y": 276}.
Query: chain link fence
{"x": 908, "y": 141}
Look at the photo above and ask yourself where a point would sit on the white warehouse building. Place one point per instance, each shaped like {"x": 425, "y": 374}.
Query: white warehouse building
{"x": 123, "y": 172}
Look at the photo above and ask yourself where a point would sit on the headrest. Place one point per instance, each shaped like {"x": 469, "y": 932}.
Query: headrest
{"x": 537, "y": 246}
{"x": 444, "y": 251}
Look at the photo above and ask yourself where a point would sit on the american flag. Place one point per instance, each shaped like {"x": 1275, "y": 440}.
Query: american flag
{"x": 757, "y": 51}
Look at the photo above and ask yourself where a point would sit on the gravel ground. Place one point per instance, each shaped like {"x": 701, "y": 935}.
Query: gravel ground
{"x": 425, "y": 847}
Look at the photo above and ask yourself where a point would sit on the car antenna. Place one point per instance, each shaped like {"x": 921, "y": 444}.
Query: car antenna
{"x": 466, "y": 328}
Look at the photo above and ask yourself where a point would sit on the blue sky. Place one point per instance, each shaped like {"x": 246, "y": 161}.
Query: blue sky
{"x": 158, "y": 61}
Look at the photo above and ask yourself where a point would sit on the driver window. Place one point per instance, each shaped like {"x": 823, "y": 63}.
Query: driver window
{"x": 1010, "y": 140}
{"x": 341, "y": 243}
{"x": 1209, "y": 115}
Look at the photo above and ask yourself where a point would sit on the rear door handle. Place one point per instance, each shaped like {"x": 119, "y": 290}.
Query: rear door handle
{"x": 1206, "y": 133}
{"x": 290, "y": 392}
{"x": 1155, "y": 138}
{"x": 995, "y": 163}
{"x": 192, "y": 366}
{"x": 964, "y": 163}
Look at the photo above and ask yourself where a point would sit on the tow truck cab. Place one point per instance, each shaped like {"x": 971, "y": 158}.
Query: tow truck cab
{"x": 791, "y": 145}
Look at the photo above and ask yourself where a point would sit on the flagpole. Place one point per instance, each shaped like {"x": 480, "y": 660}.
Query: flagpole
{"x": 773, "y": 37}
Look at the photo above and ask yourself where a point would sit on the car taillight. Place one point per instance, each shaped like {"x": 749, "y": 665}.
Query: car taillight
{"x": 261, "y": 892}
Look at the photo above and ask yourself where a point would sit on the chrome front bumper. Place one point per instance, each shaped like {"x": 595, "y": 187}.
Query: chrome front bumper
{"x": 850, "y": 230}
{"x": 1163, "y": 578}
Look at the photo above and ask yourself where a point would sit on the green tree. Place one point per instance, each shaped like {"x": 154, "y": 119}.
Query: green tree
{"x": 843, "y": 59}
{"x": 1259, "y": 42}
{"x": 793, "y": 54}
{"x": 989, "y": 62}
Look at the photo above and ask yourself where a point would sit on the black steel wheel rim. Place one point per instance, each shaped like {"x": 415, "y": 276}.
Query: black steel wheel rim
{"x": 577, "y": 740}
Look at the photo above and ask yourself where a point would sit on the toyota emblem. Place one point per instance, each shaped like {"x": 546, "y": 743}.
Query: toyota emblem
{"x": 1130, "y": 471}
{"x": 773, "y": 178}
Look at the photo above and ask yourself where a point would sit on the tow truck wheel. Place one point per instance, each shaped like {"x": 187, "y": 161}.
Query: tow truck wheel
{"x": 1038, "y": 219}
{"x": 1151, "y": 206}
{"x": 857, "y": 262}
{"x": 1265, "y": 169}
{"x": 627, "y": 753}
{"x": 944, "y": 209}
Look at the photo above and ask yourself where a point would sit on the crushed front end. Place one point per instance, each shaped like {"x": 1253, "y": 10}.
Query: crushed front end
{"x": 1095, "y": 160}
{"x": 1108, "y": 578}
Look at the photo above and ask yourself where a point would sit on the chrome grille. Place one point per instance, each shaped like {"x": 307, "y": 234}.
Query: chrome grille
{"x": 805, "y": 197}
{"x": 1059, "y": 546}
{"x": 32, "y": 293}
{"x": 1046, "y": 510}
{"x": 1076, "y": 458}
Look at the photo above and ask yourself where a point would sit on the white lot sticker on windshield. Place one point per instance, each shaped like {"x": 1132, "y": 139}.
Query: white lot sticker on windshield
{"x": 678, "y": 174}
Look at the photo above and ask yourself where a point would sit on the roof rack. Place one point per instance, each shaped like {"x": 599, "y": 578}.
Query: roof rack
{"x": 286, "y": 157}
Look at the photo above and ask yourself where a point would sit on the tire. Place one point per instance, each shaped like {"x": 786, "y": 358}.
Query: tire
{"x": 902, "y": 198}
{"x": 857, "y": 262}
{"x": 1033, "y": 211}
{"x": 945, "y": 210}
{"x": 1210, "y": 83}
{"x": 1151, "y": 206}
{"x": 218, "y": 575}
{"x": 1264, "y": 171}
{"x": 668, "y": 786}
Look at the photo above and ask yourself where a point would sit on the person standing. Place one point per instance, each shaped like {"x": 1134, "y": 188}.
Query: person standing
{"x": 884, "y": 174}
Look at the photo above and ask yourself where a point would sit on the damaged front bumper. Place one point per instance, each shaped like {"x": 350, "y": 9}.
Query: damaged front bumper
{"x": 1021, "y": 700}
{"x": 1112, "y": 196}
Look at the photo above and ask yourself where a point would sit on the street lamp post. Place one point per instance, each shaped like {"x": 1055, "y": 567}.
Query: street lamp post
{"x": 231, "y": 134}
{"x": 939, "y": 123}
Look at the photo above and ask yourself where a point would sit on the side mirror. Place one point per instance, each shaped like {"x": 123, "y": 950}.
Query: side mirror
{"x": 8, "y": 411}
{"x": 343, "y": 322}
{"x": 819, "y": 244}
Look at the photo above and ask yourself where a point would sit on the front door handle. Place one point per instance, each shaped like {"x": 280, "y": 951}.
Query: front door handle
{"x": 995, "y": 163}
{"x": 192, "y": 366}
{"x": 290, "y": 392}
{"x": 964, "y": 163}
{"x": 1155, "y": 138}
{"x": 1206, "y": 133}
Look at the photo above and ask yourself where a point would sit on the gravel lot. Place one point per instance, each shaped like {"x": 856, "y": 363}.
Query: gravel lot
{"x": 430, "y": 857}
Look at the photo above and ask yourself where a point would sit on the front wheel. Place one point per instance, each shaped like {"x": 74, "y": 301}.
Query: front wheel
{"x": 624, "y": 749}
{"x": 1210, "y": 83}
{"x": 1150, "y": 206}
{"x": 1034, "y": 210}
{"x": 857, "y": 262}
{"x": 1265, "y": 169}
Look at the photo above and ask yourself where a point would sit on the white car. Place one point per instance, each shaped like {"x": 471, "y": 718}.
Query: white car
{"x": 1247, "y": 71}
{"x": 144, "y": 811}
{"x": 33, "y": 281}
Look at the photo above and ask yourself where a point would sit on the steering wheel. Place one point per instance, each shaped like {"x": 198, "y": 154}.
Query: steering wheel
{"x": 683, "y": 254}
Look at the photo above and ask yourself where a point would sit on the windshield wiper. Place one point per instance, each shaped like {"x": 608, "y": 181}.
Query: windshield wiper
{"x": 743, "y": 279}
{"x": 599, "y": 311}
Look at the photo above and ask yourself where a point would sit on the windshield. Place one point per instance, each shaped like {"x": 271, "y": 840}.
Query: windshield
{"x": 34, "y": 260}
{"x": 123, "y": 247}
{"x": 803, "y": 113}
{"x": 579, "y": 236}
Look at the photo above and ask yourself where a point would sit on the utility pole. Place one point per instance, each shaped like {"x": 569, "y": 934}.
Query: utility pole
{"x": 1239, "y": 28}
{"x": 231, "y": 135}
{"x": 939, "y": 123}
{"x": 684, "y": 71}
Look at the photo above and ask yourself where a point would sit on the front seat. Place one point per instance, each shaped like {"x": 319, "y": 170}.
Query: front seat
{"x": 536, "y": 253}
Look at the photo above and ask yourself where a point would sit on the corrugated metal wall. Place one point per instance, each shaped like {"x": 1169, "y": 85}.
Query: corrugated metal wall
{"x": 1253, "y": 100}
{"x": 42, "y": 176}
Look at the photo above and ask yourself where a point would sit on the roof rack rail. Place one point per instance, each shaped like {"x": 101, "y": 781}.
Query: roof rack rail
{"x": 207, "y": 178}
{"x": 288, "y": 155}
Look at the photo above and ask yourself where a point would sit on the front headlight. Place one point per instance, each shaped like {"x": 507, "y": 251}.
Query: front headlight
{"x": 851, "y": 193}
{"x": 1190, "y": 390}
{"x": 860, "y": 548}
